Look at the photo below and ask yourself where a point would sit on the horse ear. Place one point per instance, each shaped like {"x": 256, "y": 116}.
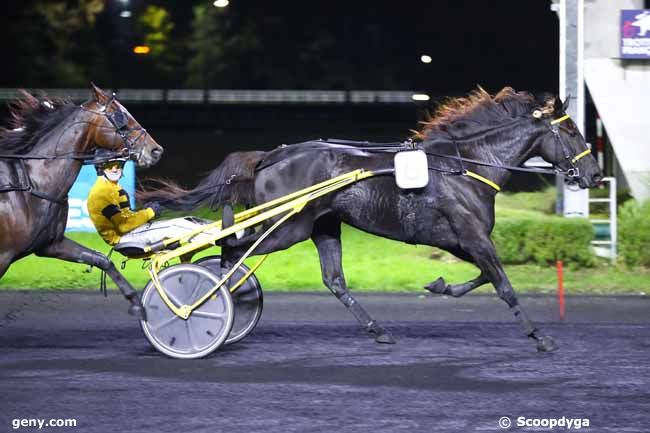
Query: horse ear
{"x": 100, "y": 96}
{"x": 561, "y": 107}
{"x": 565, "y": 104}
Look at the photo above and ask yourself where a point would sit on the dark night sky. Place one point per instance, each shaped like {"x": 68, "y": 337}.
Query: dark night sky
{"x": 509, "y": 42}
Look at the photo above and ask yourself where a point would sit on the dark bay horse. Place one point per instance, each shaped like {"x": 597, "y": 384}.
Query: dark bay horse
{"x": 41, "y": 155}
{"x": 469, "y": 142}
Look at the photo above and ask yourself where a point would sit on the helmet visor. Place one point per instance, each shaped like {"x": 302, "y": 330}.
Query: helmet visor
{"x": 110, "y": 165}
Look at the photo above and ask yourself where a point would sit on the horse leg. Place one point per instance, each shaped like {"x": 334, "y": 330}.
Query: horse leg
{"x": 484, "y": 253}
{"x": 4, "y": 265}
{"x": 327, "y": 237}
{"x": 456, "y": 290}
{"x": 69, "y": 250}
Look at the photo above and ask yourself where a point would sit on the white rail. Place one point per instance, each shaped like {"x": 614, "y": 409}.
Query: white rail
{"x": 607, "y": 248}
{"x": 227, "y": 96}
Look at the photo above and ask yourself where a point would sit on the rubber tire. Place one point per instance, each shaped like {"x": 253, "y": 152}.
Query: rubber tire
{"x": 196, "y": 327}
{"x": 248, "y": 299}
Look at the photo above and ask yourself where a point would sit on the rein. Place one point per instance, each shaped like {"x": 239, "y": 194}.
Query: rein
{"x": 572, "y": 172}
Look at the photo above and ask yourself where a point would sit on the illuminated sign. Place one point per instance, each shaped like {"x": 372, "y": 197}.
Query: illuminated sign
{"x": 635, "y": 34}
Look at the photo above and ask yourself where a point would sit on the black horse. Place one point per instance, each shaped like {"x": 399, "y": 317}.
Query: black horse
{"x": 470, "y": 144}
{"x": 41, "y": 155}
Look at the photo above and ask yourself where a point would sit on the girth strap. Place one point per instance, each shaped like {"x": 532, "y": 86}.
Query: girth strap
{"x": 25, "y": 184}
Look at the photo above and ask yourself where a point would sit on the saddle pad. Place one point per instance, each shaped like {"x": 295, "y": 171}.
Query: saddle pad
{"x": 411, "y": 169}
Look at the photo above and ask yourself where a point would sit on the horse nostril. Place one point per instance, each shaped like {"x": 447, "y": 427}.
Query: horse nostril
{"x": 597, "y": 177}
{"x": 157, "y": 152}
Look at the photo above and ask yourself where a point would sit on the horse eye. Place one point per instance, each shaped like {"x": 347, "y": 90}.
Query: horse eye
{"x": 573, "y": 130}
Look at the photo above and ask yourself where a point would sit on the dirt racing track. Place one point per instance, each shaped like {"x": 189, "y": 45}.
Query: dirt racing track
{"x": 459, "y": 365}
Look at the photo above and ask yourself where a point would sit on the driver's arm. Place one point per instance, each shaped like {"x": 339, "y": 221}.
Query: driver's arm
{"x": 124, "y": 219}
{"x": 112, "y": 201}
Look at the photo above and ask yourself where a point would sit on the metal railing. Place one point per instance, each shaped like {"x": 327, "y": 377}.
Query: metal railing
{"x": 225, "y": 96}
{"x": 607, "y": 247}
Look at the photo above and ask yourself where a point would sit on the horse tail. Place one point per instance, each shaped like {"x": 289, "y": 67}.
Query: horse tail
{"x": 231, "y": 181}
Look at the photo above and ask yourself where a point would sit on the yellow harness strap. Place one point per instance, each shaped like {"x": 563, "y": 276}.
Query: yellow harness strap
{"x": 580, "y": 155}
{"x": 482, "y": 179}
{"x": 560, "y": 119}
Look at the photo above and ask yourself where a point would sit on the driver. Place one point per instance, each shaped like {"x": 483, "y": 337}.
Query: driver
{"x": 108, "y": 202}
{"x": 130, "y": 231}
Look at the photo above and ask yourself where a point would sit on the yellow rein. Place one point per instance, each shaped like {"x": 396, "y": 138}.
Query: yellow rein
{"x": 482, "y": 179}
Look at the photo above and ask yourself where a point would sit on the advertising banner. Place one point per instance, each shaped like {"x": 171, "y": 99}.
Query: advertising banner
{"x": 78, "y": 218}
{"x": 635, "y": 34}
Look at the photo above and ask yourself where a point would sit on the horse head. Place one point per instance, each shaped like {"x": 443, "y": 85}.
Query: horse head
{"x": 564, "y": 146}
{"x": 114, "y": 128}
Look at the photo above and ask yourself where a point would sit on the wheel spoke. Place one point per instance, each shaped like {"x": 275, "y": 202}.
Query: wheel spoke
{"x": 190, "y": 336}
{"x": 174, "y": 299}
{"x": 165, "y": 323}
{"x": 190, "y": 299}
{"x": 213, "y": 316}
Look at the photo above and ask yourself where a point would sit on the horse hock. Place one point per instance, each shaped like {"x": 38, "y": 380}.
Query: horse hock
{"x": 102, "y": 262}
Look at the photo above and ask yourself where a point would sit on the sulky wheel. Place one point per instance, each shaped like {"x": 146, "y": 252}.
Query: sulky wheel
{"x": 247, "y": 298}
{"x": 204, "y": 330}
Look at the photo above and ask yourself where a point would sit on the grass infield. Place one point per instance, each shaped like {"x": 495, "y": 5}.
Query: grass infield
{"x": 370, "y": 263}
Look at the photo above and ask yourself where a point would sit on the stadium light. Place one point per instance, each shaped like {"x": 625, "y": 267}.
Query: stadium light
{"x": 221, "y": 3}
{"x": 141, "y": 49}
{"x": 425, "y": 58}
{"x": 125, "y": 14}
{"x": 420, "y": 97}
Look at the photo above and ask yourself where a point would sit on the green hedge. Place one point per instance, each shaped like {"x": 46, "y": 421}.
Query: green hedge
{"x": 634, "y": 233}
{"x": 544, "y": 239}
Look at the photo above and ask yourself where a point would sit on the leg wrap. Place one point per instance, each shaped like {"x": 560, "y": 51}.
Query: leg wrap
{"x": 359, "y": 313}
{"x": 364, "y": 319}
{"x": 525, "y": 322}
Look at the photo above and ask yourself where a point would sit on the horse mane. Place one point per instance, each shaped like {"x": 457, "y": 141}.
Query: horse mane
{"x": 462, "y": 116}
{"x": 31, "y": 117}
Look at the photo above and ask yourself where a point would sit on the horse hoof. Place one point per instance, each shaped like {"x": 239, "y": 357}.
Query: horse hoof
{"x": 546, "y": 344}
{"x": 385, "y": 338}
{"x": 138, "y": 311}
{"x": 439, "y": 286}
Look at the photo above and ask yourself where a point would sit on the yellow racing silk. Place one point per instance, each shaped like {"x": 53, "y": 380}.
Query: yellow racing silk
{"x": 110, "y": 212}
